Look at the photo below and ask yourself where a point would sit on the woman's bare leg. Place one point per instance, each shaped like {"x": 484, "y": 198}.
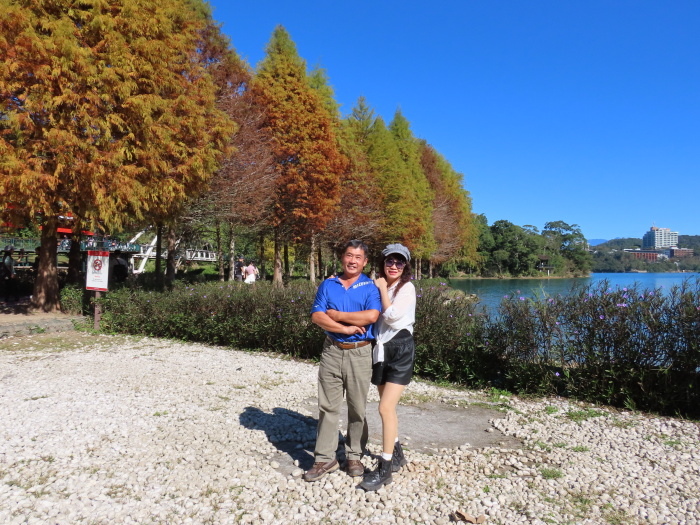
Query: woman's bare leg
{"x": 389, "y": 395}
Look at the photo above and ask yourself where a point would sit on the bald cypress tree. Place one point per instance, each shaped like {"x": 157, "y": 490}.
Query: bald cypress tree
{"x": 455, "y": 233}
{"x": 362, "y": 216}
{"x": 318, "y": 80}
{"x": 305, "y": 149}
{"x": 107, "y": 112}
{"x": 391, "y": 176}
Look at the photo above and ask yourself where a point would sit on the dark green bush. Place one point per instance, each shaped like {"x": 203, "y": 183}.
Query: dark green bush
{"x": 74, "y": 300}
{"x": 623, "y": 347}
{"x": 232, "y": 314}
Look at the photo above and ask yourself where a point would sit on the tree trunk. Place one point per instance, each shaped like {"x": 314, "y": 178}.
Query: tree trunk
{"x": 232, "y": 252}
{"x": 45, "y": 296}
{"x": 431, "y": 269}
{"x": 74, "y": 258}
{"x": 312, "y": 259}
{"x": 286, "y": 261}
{"x": 262, "y": 255}
{"x": 277, "y": 281}
{"x": 321, "y": 268}
{"x": 172, "y": 247}
{"x": 219, "y": 251}
{"x": 159, "y": 252}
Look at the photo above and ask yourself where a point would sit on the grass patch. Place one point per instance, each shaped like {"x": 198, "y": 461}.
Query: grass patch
{"x": 581, "y": 501}
{"x": 551, "y": 473}
{"x": 496, "y": 395}
{"x": 617, "y": 517}
{"x": 551, "y": 409}
{"x": 580, "y": 448}
{"x": 582, "y": 415}
{"x": 544, "y": 446}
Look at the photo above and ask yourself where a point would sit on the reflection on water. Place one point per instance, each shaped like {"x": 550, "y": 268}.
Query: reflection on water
{"x": 491, "y": 291}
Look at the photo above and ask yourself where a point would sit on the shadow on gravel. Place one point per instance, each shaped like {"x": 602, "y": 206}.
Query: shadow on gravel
{"x": 426, "y": 428}
{"x": 293, "y": 434}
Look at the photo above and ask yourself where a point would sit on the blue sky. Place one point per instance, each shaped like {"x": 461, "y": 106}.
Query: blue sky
{"x": 582, "y": 111}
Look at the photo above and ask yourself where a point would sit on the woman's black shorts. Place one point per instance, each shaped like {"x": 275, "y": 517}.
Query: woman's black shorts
{"x": 397, "y": 367}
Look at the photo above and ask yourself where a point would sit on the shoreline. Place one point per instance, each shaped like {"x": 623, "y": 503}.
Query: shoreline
{"x": 525, "y": 278}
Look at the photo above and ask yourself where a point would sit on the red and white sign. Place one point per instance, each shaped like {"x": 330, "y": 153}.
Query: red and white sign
{"x": 97, "y": 271}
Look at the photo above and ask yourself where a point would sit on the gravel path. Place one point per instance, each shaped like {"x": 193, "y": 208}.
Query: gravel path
{"x": 101, "y": 429}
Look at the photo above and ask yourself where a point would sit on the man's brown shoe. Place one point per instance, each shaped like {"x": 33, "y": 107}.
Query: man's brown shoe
{"x": 320, "y": 469}
{"x": 355, "y": 467}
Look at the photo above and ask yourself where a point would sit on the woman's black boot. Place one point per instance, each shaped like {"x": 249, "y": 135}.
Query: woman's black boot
{"x": 398, "y": 460}
{"x": 379, "y": 477}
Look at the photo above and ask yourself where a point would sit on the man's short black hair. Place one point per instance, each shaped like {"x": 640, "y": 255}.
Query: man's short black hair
{"x": 356, "y": 243}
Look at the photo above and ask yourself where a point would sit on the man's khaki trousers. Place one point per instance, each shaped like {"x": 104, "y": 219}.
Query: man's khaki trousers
{"x": 342, "y": 372}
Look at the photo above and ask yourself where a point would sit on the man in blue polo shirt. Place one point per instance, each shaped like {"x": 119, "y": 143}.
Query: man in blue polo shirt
{"x": 346, "y": 307}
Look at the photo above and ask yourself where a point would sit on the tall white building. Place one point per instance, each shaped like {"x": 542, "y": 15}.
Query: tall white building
{"x": 657, "y": 238}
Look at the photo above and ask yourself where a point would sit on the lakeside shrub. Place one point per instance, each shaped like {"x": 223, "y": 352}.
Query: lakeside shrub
{"x": 450, "y": 329}
{"x": 624, "y": 347}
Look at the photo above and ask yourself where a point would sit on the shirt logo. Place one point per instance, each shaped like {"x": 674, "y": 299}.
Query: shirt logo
{"x": 361, "y": 284}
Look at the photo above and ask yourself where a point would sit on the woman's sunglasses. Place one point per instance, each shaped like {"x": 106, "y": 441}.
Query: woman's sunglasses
{"x": 394, "y": 262}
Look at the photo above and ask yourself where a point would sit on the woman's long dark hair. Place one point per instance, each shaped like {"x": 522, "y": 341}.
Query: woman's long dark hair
{"x": 405, "y": 276}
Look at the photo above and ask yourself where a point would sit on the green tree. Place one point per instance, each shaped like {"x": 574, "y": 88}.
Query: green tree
{"x": 486, "y": 244}
{"x": 388, "y": 169}
{"x": 418, "y": 197}
{"x": 522, "y": 257}
{"x": 571, "y": 245}
{"x": 318, "y": 80}
{"x": 107, "y": 112}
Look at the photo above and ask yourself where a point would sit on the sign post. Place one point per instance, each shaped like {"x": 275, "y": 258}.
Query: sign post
{"x": 97, "y": 278}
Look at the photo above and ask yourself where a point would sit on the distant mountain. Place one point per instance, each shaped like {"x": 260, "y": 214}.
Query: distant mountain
{"x": 596, "y": 242}
{"x": 622, "y": 243}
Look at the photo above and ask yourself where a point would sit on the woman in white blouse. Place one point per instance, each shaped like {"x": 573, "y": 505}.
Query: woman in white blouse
{"x": 393, "y": 356}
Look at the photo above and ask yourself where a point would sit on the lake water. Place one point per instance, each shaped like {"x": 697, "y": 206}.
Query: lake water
{"x": 491, "y": 291}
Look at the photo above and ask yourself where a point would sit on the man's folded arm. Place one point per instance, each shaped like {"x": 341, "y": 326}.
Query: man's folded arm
{"x": 324, "y": 321}
{"x": 361, "y": 318}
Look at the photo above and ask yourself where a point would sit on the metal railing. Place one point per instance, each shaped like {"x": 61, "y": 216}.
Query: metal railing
{"x": 63, "y": 245}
